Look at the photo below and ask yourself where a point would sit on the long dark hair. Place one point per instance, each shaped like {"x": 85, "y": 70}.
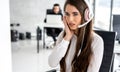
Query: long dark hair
{"x": 80, "y": 63}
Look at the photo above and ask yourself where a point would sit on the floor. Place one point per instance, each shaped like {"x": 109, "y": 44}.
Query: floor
{"x": 26, "y": 59}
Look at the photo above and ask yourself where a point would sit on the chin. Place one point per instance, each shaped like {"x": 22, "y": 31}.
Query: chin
{"x": 73, "y": 28}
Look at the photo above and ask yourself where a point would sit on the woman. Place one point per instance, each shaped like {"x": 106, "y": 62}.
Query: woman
{"x": 78, "y": 48}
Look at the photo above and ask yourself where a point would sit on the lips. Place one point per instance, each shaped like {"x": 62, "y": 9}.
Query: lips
{"x": 71, "y": 24}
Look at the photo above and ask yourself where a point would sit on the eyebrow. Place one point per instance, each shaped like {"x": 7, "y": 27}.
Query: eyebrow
{"x": 72, "y": 12}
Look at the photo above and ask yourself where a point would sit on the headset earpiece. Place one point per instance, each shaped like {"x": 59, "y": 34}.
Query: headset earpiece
{"x": 86, "y": 14}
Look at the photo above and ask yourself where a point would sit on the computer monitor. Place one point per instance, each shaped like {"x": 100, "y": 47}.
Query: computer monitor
{"x": 54, "y": 19}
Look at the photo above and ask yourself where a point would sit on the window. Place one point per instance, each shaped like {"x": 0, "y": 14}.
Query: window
{"x": 116, "y": 7}
{"x": 102, "y": 14}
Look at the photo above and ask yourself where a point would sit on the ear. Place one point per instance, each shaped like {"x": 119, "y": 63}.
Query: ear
{"x": 86, "y": 14}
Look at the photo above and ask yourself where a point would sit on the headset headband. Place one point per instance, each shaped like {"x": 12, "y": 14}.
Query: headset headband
{"x": 88, "y": 14}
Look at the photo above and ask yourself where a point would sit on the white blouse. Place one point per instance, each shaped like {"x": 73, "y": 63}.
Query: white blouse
{"x": 61, "y": 48}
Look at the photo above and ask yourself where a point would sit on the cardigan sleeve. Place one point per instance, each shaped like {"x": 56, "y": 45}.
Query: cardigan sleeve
{"x": 58, "y": 51}
{"x": 98, "y": 49}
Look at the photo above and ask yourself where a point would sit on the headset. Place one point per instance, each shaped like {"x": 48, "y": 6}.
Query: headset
{"x": 88, "y": 14}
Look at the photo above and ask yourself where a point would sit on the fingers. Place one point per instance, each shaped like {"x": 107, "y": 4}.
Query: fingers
{"x": 65, "y": 22}
{"x": 69, "y": 32}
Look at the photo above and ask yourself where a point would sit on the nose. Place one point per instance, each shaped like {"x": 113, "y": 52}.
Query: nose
{"x": 70, "y": 18}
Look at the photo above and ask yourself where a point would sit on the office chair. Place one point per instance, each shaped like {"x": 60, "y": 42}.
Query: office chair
{"x": 108, "y": 57}
{"x": 28, "y": 35}
{"x": 14, "y": 35}
{"x": 50, "y": 11}
{"x": 21, "y": 36}
{"x": 38, "y": 33}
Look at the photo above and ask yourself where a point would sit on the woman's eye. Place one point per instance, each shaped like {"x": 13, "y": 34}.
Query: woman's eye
{"x": 66, "y": 14}
{"x": 75, "y": 14}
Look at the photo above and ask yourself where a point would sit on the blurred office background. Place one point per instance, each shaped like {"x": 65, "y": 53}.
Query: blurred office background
{"x": 27, "y": 18}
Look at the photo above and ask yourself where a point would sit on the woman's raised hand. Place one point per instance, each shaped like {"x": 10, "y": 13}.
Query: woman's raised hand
{"x": 68, "y": 31}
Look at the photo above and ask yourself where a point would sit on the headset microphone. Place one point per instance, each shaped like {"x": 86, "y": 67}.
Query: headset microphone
{"x": 88, "y": 14}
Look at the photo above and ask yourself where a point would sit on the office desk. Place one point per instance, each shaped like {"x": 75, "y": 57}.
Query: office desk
{"x": 117, "y": 48}
{"x": 46, "y": 25}
{"x": 116, "y": 63}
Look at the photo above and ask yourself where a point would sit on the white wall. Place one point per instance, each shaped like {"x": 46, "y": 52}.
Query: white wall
{"x": 30, "y": 13}
{"x": 5, "y": 50}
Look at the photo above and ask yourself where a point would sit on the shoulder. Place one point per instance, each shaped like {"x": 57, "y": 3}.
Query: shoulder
{"x": 97, "y": 37}
{"x": 97, "y": 40}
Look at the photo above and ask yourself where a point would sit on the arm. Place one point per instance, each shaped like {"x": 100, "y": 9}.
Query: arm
{"x": 61, "y": 45}
{"x": 59, "y": 51}
{"x": 96, "y": 60}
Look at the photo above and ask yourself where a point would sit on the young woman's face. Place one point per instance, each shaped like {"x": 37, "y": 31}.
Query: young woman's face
{"x": 73, "y": 16}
